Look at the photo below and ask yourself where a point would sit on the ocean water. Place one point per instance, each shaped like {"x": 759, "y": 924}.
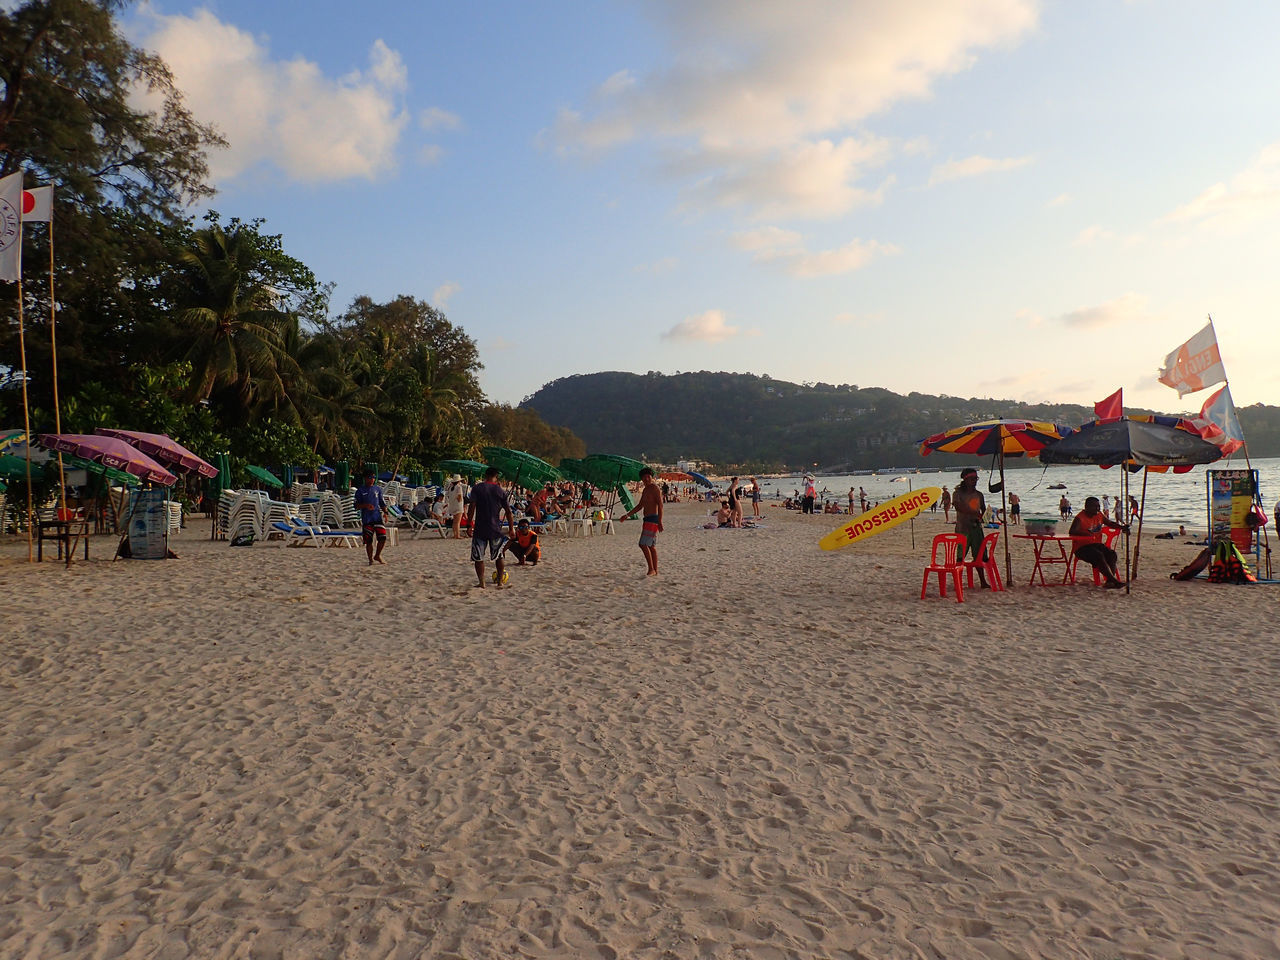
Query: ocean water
{"x": 1172, "y": 498}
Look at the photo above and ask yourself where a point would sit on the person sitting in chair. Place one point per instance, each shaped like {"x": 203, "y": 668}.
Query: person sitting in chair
{"x": 1089, "y": 523}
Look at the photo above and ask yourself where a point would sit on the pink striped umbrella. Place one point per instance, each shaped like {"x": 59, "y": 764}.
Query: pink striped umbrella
{"x": 164, "y": 449}
{"x": 109, "y": 451}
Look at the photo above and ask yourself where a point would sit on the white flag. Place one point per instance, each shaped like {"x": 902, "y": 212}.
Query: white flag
{"x": 11, "y": 228}
{"x": 37, "y": 205}
{"x": 1194, "y": 365}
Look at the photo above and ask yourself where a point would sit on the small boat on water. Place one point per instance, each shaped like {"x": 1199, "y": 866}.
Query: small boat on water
{"x": 1057, "y": 486}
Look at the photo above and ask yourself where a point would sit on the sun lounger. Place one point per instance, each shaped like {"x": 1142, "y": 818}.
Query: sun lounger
{"x": 302, "y": 535}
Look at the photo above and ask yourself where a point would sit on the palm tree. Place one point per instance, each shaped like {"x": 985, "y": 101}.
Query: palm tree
{"x": 232, "y": 322}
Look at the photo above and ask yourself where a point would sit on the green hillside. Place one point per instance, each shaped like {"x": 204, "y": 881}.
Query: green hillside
{"x": 745, "y": 422}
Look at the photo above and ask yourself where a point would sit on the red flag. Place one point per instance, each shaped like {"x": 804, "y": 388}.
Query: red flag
{"x": 1112, "y": 408}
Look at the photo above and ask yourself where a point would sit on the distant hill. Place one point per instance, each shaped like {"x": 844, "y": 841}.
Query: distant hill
{"x": 746, "y": 422}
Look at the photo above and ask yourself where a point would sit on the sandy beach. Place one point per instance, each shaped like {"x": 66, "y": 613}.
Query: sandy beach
{"x": 767, "y": 752}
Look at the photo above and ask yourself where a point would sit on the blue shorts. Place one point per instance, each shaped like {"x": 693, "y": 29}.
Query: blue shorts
{"x": 480, "y": 545}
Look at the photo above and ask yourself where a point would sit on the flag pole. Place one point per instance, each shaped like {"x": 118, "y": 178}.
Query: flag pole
{"x": 57, "y": 407}
{"x": 1248, "y": 461}
{"x": 26, "y": 414}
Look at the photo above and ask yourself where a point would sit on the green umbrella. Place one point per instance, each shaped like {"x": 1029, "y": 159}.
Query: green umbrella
{"x": 15, "y": 468}
{"x": 574, "y": 469}
{"x": 468, "y": 468}
{"x": 522, "y": 469}
{"x": 415, "y": 478}
{"x": 342, "y": 476}
{"x": 611, "y": 472}
{"x": 111, "y": 475}
{"x": 265, "y": 476}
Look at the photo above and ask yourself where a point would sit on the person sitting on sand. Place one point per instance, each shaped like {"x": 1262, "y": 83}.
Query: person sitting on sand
{"x": 1088, "y": 525}
{"x": 524, "y": 546}
{"x": 724, "y": 516}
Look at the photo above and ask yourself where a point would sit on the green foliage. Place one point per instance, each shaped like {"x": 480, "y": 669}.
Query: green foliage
{"x": 748, "y": 423}
{"x": 520, "y": 428}
{"x": 272, "y": 442}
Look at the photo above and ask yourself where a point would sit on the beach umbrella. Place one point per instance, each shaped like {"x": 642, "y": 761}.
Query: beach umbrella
{"x": 164, "y": 449}
{"x": 1137, "y": 441}
{"x": 1152, "y": 442}
{"x": 675, "y": 476}
{"x": 612, "y": 472}
{"x": 15, "y": 468}
{"x": 701, "y": 480}
{"x": 467, "y": 468}
{"x": 342, "y": 476}
{"x": 573, "y": 469}
{"x": 522, "y": 469}
{"x": 264, "y": 476}
{"x": 10, "y": 437}
{"x": 110, "y": 452}
{"x": 998, "y": 439}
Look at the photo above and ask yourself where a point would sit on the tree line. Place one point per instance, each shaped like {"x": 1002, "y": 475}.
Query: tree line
{"x": 738, "y": 422}
{"x": 207, "y": 330}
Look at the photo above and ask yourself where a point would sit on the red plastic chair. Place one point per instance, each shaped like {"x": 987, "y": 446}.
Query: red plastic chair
{"x": 986, "y": 562}
{"x": 947, "y": 551}
{"x": 1107, "y": 538}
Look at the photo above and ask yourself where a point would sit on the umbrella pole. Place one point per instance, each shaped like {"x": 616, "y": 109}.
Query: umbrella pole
{"x": 1004, "y": 520}
{"x": 1125, "y": 487}
{"x": 1137, "y": 547}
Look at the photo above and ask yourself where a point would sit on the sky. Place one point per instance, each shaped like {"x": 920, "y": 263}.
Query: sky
{"x": 1017, "y": 199}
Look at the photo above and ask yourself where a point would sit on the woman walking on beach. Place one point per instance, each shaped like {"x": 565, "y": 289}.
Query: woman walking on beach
{"x": 946, "y": 505}
{"x": 755, "y": 497}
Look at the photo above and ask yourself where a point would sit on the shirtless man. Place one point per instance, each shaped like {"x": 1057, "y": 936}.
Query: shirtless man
{"x": 650, "y": 507}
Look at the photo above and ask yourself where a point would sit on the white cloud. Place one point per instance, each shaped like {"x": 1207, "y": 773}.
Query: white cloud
{"x": 1252, "y": 194}
{"x": 1061, "y": 200}
{"x": 1122, "y": 311}
{"x": 284, "y": 113}
{"x": 437, "y": 118}
{"x": 444, "y": 293}
{"x": 766, "y": 101}
{"x": 709, "y": 327}
{"x": 974, "y": 166}
{"x": 786, "y": 248}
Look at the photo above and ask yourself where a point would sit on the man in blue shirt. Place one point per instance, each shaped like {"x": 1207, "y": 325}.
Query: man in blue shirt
{"x": 373, "y": 509}
{"x": 484, "y": 514}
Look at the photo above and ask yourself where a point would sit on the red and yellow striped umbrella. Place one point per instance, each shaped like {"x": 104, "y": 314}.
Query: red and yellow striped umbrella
{"x": 1012, "y": 438}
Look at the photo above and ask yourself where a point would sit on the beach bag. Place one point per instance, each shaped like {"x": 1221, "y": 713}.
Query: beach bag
{"x": 242, "y": 540}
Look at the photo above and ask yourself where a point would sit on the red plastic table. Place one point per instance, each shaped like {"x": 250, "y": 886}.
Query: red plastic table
{"x": 1040, "y": 543}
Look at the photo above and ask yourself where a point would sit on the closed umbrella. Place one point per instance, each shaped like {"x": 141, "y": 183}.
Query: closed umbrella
{"x": 998, "y": 439}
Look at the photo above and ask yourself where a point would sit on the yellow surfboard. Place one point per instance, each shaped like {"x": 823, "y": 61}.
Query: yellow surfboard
{"x": 877, "y": 520}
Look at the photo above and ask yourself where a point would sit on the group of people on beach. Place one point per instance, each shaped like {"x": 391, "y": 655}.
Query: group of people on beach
{"x": 488, "y": 504}
{"x": 1086, "y": 529}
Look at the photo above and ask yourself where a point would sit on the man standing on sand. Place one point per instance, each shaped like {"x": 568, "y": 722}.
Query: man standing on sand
{"x": 373, "y": 508}
{"x": 484, "y": 515}
{"x": 651, "y": 506}
{"x": 971, "y": 507}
